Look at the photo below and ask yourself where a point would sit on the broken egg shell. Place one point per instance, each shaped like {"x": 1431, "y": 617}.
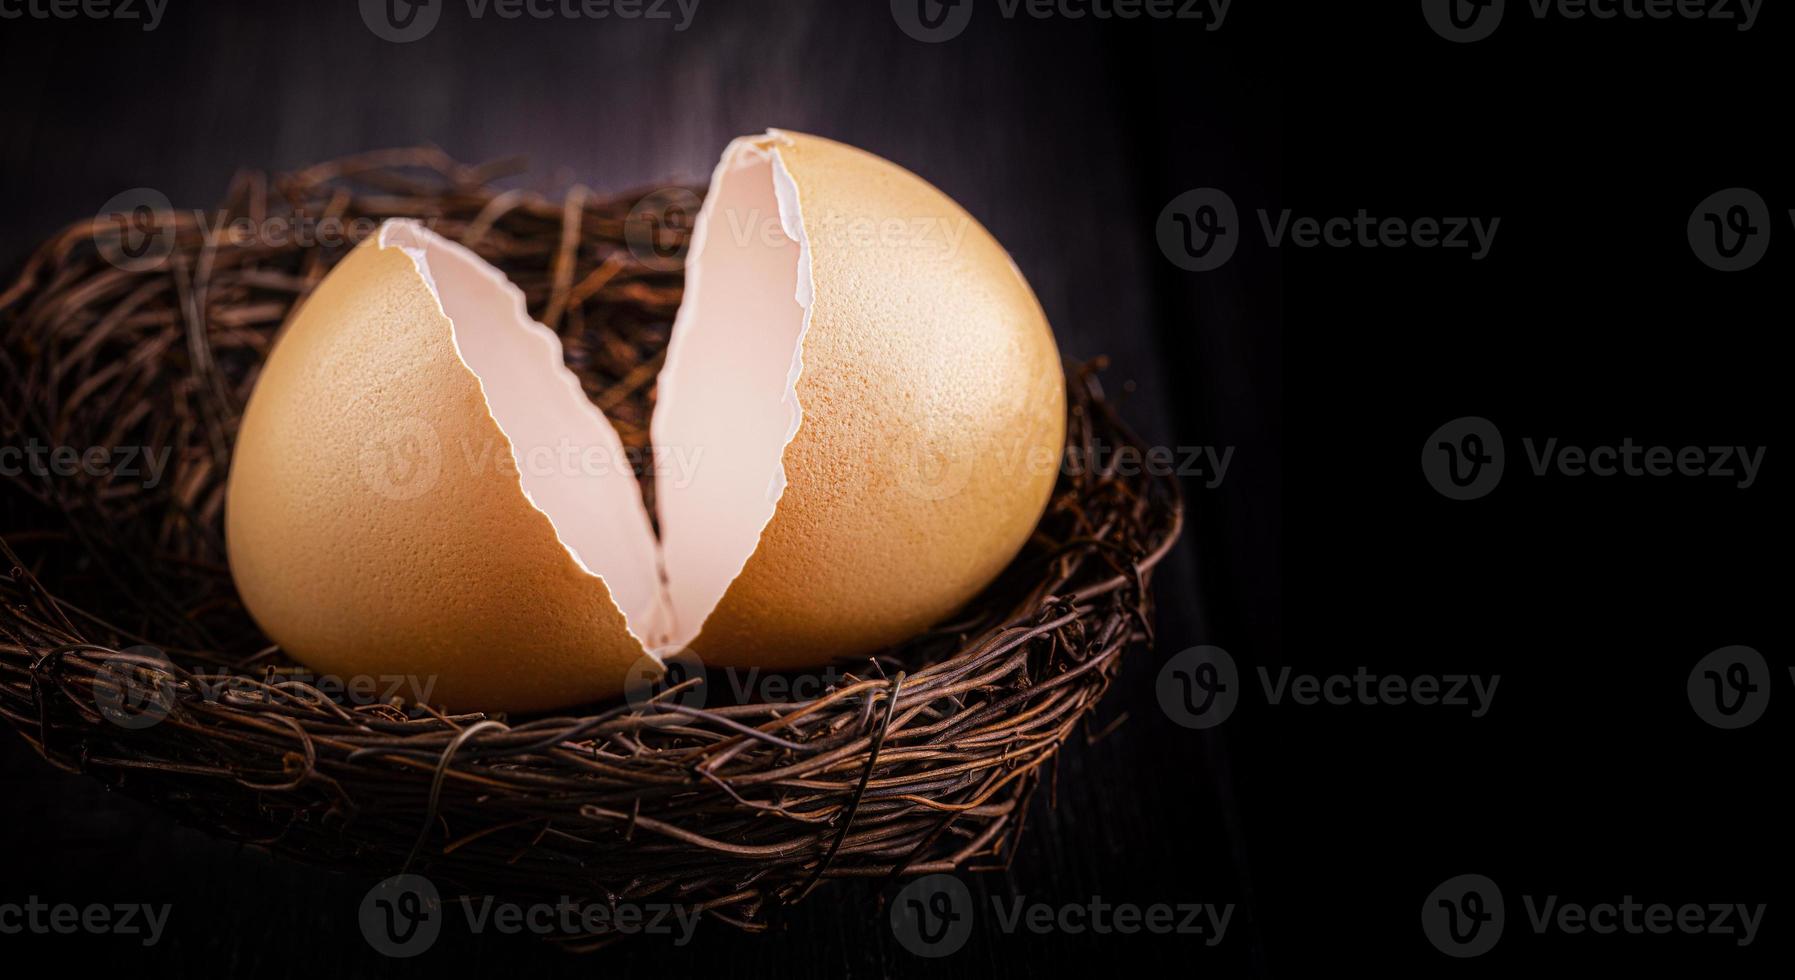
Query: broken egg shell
{"x": 372, "y": 526}
{"x": 873, "y": 423}
{"x": 933, "y": 417}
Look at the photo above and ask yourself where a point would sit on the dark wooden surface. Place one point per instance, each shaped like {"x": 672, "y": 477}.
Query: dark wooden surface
{"x": 1323, "y": 549}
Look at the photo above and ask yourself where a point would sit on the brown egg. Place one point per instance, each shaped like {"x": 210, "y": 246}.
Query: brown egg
{"x": 375, "y": 519}
{"x": 858, "y": 426}
{"x": 930, "y": 392}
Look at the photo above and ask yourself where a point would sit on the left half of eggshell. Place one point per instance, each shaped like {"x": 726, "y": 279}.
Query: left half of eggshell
{"x": 374, "y": 528}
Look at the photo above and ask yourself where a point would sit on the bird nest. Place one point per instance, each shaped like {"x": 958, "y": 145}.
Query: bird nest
{"x": 128, "y": 347}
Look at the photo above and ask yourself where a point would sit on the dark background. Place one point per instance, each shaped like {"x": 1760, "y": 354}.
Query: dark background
{"x": 1324, "y": 550}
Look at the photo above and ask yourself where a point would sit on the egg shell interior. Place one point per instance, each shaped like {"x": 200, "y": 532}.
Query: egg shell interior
{"x": 727, "y": 404}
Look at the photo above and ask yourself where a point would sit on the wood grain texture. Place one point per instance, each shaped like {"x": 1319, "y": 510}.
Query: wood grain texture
{"x": 1322, "y": 552}
{"x": 1038, "y": 128}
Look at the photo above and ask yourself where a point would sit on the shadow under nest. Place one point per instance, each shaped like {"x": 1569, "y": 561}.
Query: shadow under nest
{"x": 126, "y": 655}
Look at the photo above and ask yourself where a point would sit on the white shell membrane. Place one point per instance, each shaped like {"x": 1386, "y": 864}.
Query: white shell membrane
{"x": 726, "y": 408}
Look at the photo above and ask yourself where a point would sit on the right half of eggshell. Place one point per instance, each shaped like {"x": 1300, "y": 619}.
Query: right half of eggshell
{"x": 933, "y": 422}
